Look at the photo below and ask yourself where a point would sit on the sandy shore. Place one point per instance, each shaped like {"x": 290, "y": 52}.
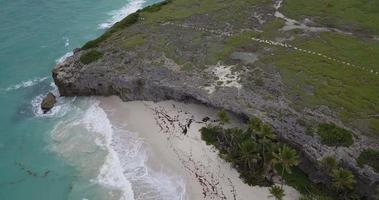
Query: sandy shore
{"x": 171, "y": 131}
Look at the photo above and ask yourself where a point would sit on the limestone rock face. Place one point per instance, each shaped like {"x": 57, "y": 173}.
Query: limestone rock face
{"x": 48, "y": 102}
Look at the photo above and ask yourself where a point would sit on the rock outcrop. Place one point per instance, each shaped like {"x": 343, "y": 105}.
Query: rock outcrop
{"x": 172, "y": 63}
{"x": 48, "y": 102}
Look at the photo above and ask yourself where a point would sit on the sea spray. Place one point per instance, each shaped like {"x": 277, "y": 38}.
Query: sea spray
{"x": 60, "y": 109}
{"x": 118, "y": 15}
{"x": 147, "y": 183}
{"x": 84, "y": 139}
{"x": 111, "y": 159}
{"x": 64, "y": 57}
{"x": 25, "y": 84}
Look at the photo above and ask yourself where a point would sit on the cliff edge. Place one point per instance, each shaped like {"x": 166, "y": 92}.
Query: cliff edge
{"x": 251, "y": 59}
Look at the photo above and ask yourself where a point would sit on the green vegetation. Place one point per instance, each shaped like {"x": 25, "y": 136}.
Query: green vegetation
{"x": 156, "y": 7}
{"x": 343, "y": 181}
{"x": 179, "y": 9}
{"x": 127, "y": 21}
{"x": 300, "y": 181}
{"x": 361, "y": 14}
{"x": 313, "y": 80}
{"x": 276, "y": 192}
{"x": 256, "y": 154}
{"x": 132, "y": 42}
{"x": 369, "y": 157}
{"x": 90, "y": 56}
{"x": 223, "y": 117}
{"x": 332, "y": 135}
{"x": 286, "y": 158}
{"x": 329, "y": 163}
{"x": 250, "y": 150}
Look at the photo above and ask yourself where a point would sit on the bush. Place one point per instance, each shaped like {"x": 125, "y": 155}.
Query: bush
{"x": 369, "y": 157}
{"x": 90, "y": 57}
{"x": 331, "y": 135}
{"x": 209, "y": 134}
{"x": 127, "y": 21}
{"x": 223, "y": 117}
{"x": 329, "y": 163}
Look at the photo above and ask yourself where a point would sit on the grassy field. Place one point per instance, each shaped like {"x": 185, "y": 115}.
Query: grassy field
{"x": 180, "y": 9}
{"x": 313, "y": 81}
{"x": 356, "y": 14}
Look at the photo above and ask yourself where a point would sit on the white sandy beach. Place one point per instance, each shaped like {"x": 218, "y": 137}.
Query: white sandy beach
{"x": 173, "y": 151}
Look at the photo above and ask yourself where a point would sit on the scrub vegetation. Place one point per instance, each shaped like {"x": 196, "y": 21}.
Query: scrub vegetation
{"x": 127, "y": 21}
{"x": 332, "y": 135}
{"x": 90, "y": 56}
{"x": 369, "y": 157}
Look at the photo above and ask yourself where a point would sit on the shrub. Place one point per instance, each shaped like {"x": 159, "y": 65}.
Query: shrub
{"x": 223, "y": 117}
{"x": 90, "y": 57}
{"x": 331, "y": 135}
{"x": 329, "y": 163}
{"x": 209, "y": 134}
{"x": 369, "y": 157}
{"x": 127, "y": 21}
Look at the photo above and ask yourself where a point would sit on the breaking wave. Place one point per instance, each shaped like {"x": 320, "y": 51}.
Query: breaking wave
{"x": 111, "y": 157}
{"x": 25, "y": 84}
{"x": 118, "y": 15}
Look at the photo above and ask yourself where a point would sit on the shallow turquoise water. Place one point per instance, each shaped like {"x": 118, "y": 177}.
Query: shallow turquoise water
{"x": 33, "y": 35}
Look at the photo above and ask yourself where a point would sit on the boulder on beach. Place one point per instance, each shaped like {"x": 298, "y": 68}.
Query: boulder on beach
{"x": 48, "y": 102}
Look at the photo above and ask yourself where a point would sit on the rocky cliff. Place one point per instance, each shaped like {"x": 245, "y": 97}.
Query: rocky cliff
{"x": 223, "y": 54}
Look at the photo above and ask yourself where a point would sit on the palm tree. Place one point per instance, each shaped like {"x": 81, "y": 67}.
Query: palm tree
{"x": 248, "y": 153}
{"x": 343, "y": 180}
{"x": 286, "y": 158}
{"x": 276, "y": 192}
{"x": 266, "y": 136}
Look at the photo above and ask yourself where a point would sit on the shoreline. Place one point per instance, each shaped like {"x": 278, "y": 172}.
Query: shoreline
{"x": 170, "y": 131}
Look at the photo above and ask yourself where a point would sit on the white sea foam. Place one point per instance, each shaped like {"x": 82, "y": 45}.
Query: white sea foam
{"x": 67, "y": 42}
{"x": 25, "y": 84}
{"x": 118, "y": 15}
{"x": 110, "y": 156}
{"x": 64, "y": 57}
{"x": 148, "y": 183}
{"x": 111, "y": 173}
{"x": 62, "y": 106}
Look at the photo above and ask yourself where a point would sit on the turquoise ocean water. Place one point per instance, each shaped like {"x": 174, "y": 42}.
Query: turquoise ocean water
{"x": 64, "y": 154}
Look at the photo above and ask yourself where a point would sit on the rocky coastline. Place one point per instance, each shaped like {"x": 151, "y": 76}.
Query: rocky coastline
{"x": 240, "y": 84}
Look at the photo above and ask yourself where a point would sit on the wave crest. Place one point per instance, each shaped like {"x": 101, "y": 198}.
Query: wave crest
{"x": 118, "y": 15}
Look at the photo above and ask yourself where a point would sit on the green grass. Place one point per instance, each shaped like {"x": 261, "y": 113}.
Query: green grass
{"x": 127, "y": 21}
{"x": 221, "y": 51}
{"x": 369, "y": 157}
{"x": 331, "y": 135}
{"x": 132, "y": 42}
{"x": 359, "y": 14}
{"x": 313, "y": 81}
{"x": 90, "y": 56}
{"x": 180, "y": 9}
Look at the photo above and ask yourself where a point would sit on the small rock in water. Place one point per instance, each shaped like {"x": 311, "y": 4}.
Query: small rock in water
{"x": 48, "y": 102}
